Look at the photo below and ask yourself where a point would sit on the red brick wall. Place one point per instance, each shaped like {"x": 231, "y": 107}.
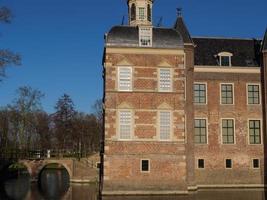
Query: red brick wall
{"x": 167, "y": 159}
{"x": 215, "y": 152}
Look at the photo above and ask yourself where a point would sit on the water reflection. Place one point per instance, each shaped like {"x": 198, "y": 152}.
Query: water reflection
{"x": 54, "y": 185}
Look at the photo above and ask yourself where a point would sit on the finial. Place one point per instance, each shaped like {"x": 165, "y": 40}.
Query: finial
{"x": 179, "y": 12}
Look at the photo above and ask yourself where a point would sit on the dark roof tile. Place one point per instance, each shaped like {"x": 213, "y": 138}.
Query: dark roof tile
{"x": 246, "y": 52}
{"x": 128, "y": 36}
{"x": 182, "y": 29}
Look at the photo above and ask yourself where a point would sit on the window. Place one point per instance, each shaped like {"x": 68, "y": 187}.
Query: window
{"x": 200, "y": 93}
{"x": 201, "y": 164}
{"x": 253, "y": 94}
{"x": 145, "y": 36}
{"x": 254, "y": 131}
{"x": 225, "y": 59}
{"x": 145, "y": 166}
{"x": 228, "y": 131}
{"x": 125, "y": 124}
{"x": 165, "y": 80}
{"x": 141, "y": 13}
{"x": 165, "y": 125}
{"x": 125, "y": 79}
{"x": 98, "y": 165}
{"x": 133, "y": 12}
{"x": 227, "y": 94}
{"x": 256, "y": 163}
{"x": 228, "y": 163}
{"x": 200, "y": 131}
{"x": 149, "y": 13}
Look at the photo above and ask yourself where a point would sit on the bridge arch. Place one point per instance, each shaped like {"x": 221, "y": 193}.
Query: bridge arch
{"x": 45, "y": 164}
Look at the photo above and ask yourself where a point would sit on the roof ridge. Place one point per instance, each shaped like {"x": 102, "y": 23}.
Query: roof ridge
{"x": 222, "y": 37}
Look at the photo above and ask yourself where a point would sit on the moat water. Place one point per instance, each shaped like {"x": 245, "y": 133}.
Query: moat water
{"x": 54, "y": 185}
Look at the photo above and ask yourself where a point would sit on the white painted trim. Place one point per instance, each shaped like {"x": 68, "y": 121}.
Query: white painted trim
{"x": 225, "y": 54}
{"x": 233, "y": 95}
{"x": 222, "y": 131}
{"x": 158, "y": 125}
{"x": 118, "y": 78}
{"x": 144, "y": 159}
{"x": 259, "y": 93}
{"x": 206, "y": 89}
{"x": 261, "y": 131}
{"x": 207, "y": 131}
{"x": 118, "y": 125}
{"x": 171, "y": 84}
{"x": 222, "y": 69}
{"x": 219, "y": 186}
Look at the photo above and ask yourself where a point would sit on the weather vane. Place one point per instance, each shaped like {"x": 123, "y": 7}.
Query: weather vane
{"x": 179, "y": 12}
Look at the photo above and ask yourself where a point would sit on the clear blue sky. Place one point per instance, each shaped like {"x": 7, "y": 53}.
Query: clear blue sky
{"x": 61, "y": 41}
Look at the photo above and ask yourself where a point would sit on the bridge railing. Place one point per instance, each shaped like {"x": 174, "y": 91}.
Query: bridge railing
{"x": 16, "y": 154}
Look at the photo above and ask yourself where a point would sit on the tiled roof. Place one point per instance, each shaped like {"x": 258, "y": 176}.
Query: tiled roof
{"x": 128, "y": 36}
{"x": 182, "y": 29}
{"x": 246, "y": 52}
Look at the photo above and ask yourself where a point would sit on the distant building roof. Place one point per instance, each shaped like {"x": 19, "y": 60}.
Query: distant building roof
{"x": 246, "y": 52}
{"x": 182, "y": 29}
{"x": 128, "y": 36}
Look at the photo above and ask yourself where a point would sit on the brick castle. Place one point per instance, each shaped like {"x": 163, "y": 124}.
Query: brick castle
{"x": 181, "y": 112}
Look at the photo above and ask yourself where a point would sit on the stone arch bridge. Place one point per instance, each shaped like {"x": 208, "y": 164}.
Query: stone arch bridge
{"x": 80, "y": 171}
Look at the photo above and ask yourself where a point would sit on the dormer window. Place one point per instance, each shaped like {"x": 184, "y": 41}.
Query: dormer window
{"x": 145, "y": 36}
{"x": 141, "y": 13}
{"x": 225, "y": 59}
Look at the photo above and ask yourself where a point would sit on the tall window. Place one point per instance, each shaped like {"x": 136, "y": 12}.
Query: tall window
{"x": 254, "y": 132}
{"x": 133, "y": 12}
{"x": 141, "y": 13}
{"x": 149, "y": 13}
{"x": 200, "y": 131}
{"x": 228, "y": 131}
{"x": 227, "y": 94}
{"x": 228, "y": 164}
{"x": 125, "y": 79}
{"x": 125, "y": 124}
{"x": 200, "y": 93}
{"x": 145, "y": 36}
{"x": 165, "y": 125}
{"x": 165, "y": 80}
{"x": 253, "y": 94}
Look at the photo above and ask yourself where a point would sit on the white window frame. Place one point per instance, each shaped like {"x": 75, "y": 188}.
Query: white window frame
{"x": 144, "y": 159}
{"x": 261, "y": 131}
{"x": 171, "y": 125}
{"x": 171, "y": 80}
{"x": 221, "y": 129}
{"x": 225, "y": 54}
{"x": 119, "y": 125}
{"x": 139, "y": 14}
{"x": 206, "y": 89}
{"x": 131, "y": 79}
{"x": 145, "y": 32}
{"x": 207, "y": 130}
{"x": 233, "y": 96}
{"x": 258, "y": 84}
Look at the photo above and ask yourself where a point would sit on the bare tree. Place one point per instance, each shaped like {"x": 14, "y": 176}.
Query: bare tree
{"x": 7, "y": 57}
{"x": 24, "y": 108}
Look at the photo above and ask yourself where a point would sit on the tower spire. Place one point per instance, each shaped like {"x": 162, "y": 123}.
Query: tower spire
{"x": 140, "y": 12}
